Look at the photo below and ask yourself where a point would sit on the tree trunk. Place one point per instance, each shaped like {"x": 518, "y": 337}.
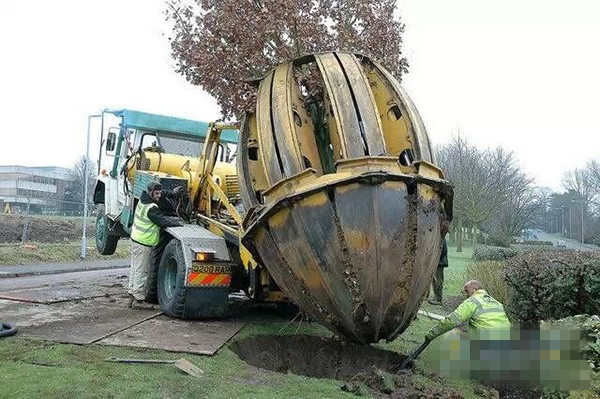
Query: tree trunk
{"x": 475, "y": 232}
{"x": 452, "y": 238}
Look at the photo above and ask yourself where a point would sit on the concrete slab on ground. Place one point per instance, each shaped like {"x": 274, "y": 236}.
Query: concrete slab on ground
{"x": 61, "y": 267}
{"x": 65, "y": 287}
{"x": 162, "y": 332}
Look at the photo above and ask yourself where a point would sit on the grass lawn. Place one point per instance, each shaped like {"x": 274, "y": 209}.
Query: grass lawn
{"x": 16, "y": 254}
{"x": 454, "y": 276}
{"x": 32, "y": 368}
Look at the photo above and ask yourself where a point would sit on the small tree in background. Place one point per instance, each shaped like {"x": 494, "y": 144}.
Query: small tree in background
{"x": 220, "y": 45}
{"x": 74, "y": 191}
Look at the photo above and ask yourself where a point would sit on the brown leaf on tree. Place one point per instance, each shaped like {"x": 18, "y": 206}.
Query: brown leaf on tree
{"x": 222, "y": 45}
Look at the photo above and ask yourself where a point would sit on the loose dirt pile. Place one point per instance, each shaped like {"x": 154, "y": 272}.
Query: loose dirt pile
{"x": 411, "y": 384}
{"x": 365, "y": 369}
{"x": 42, "y": 229}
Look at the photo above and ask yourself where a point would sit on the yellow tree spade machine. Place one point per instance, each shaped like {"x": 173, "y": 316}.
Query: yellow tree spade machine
{"x": 336, "y": 204}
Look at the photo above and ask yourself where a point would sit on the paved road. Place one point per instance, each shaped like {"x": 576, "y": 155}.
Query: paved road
{"x": 95, "y": 277}
{"x": 61, "y": 287}
{"x": 571, "y": 244}
{"x": 63, "y": 267}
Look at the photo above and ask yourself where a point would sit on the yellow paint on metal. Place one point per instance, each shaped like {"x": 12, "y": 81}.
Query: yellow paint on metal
{"x": 429, "y": 170}
{"x": 304, "y": 128}
{"x": 318, "y": 199}
{"x": 357, "y": 240}
{"x": 374, "y": 164}
{"x": 247, "y": 260}
{"x": 225, "y": 201}
{"x": 342, "y": 108}
{"x": 279, "y": 218}
{"x": 265, "y": 135}
{"x": 364, "y": 103}
{"x": 282, "y": 120}
{"x": 256, "y": 168}
{"x": 427, "y": 193}
{"x": 395, "y": 124}
{"x": 288, "y": 186}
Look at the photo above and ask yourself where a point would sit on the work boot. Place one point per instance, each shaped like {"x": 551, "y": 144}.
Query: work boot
{"x": 437, "y": 302}
{"x": 139, "y": 303}
{"x": 131, "y": 300}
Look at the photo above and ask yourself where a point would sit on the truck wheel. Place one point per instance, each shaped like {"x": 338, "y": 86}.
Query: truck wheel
{"x": 171, "y": 275}
{"x": 152, "y": 282}
{"x": 105, "y": 242}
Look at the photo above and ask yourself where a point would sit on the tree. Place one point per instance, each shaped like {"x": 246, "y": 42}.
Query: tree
{"x": 74, "y": 192}
{"x": 490, "y": 190}
{"x": 584, "y": 184}
{"x": 221, "y": 45}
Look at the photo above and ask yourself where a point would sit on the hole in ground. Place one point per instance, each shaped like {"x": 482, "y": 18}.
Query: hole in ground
{"x": 314, "y": 356}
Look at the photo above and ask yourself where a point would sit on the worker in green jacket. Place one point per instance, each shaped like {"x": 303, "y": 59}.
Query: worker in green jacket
{"x": 148, "y": 219}
{"x": 479, "y": 310}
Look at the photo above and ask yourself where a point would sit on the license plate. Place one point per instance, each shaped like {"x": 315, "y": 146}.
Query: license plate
{"x": 210, "y": 269}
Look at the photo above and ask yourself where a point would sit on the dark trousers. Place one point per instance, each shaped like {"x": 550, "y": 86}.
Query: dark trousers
{"x": 438, "y": 283}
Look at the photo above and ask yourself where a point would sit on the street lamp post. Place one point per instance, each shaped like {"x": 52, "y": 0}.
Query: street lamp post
{"x": 85, "y": 188}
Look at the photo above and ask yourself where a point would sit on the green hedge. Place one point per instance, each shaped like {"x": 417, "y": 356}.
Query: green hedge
{"x": 537, "y": 242}
{"x": 496, "y": 241}
{"x": 552, "y": 285}
{"x": 487, "y": 252}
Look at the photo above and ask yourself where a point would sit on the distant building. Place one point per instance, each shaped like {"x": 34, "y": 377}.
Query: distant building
{"x": 41, "y": 186}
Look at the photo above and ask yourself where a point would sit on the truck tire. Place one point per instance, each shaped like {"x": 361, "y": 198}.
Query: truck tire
{"x": 170, "y": 282}
{"x": 7, "y": 329}
{"x": 152, "y": 281}
{"x": 105, "y": 242}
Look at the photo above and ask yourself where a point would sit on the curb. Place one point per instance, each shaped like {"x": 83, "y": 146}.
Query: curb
{"x": 49, "y": 270}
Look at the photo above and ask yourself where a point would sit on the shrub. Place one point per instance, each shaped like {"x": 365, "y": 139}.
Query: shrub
{"x": 537, "y": 242}
{"x": 491, "y": 274}
{"x": 546, "y": 285}
{"x": 486, "y": 252}
{"x": 497, "y": 241}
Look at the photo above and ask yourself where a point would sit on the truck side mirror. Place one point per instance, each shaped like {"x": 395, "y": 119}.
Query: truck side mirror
{"x": 111, "y": 139}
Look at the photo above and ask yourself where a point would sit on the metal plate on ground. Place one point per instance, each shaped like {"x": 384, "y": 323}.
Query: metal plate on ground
{"x": 200, "y": 337}
{"x": 87, "y": 322}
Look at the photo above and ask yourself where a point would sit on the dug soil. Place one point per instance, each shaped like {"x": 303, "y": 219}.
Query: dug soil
{"x": 42, "y": 229}
{"x": 366, "y": 370}
{"x": 314, "y": 356}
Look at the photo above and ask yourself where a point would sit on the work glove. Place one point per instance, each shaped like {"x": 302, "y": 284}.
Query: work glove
{"x": 178, "y": 190}
{"x": 431, "y": 334}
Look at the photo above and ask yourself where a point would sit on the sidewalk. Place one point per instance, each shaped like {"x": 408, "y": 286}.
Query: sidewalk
{"x": 66, "y": 267}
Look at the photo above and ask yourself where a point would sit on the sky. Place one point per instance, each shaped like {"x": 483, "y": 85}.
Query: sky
{"x": 524, "y": 75}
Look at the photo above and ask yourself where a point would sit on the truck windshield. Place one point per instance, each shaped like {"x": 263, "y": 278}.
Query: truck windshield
{"x": 172, "y": 144}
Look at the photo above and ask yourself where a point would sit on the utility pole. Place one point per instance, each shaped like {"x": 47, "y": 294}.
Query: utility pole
{"x": 26, "y": 223}
{"x": 85, "y": 188}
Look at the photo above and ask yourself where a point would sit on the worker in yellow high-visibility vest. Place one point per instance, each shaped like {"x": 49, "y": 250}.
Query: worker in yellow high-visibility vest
{"x": 145, "y": 234}
{"x": 480, "y": 311}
